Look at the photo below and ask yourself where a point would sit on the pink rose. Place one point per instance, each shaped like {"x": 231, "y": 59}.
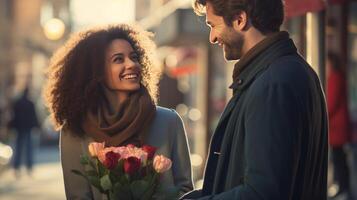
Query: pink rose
{"x": 111, "y": 160}
{"x": 132, "y": 165}
{"x": 136, "y": 152}
{"x": 102, "y": 153}
{"x": 161, "y": 164}
{"x": 123, "y": 151}
{"x": 94, "y": 148}
{"x": 150, "y": 150}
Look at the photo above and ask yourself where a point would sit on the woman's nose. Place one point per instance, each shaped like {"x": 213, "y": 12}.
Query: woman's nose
{"x": 129, "y": 63}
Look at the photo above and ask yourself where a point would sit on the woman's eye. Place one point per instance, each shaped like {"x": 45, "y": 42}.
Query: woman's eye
{"x": 118, "y": 60}
{"x": 135, "y": 57}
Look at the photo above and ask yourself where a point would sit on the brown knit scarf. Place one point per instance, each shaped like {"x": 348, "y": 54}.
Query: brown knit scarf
{"x": 256, "y": 50}
{"x": 121, "y": 123}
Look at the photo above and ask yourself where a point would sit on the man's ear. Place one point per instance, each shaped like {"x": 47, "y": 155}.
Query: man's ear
{"x": 240, "y": 21}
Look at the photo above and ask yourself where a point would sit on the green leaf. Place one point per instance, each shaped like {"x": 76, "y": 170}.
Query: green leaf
{"x": 148, "y": 178}
{"x": 124, "y": 180}
{"x": 95, "y": 181}
{"x": 120, "y": 195}
{"x": 84, "y": 160}
{"x": 117, "y": 173}
{"x": 92, "y": 163}
{"x": 138, "y": 188}
{"x": 101, "y": 168}
{"x": 155, "y": 178}
{"x": 121, "y": 192}
{"x": 105, "y": 182}
{"x": 91, "y": 173}
{"x": 148, "y": 195}
{"x": 117, "y": 186}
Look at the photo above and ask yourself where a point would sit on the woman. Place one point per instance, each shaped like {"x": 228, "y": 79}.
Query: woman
{"x": 102, "y": 87}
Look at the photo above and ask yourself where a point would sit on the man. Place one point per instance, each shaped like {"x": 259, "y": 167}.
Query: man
{"x": 271, "y": 141}
{"x": 24, "y": 120}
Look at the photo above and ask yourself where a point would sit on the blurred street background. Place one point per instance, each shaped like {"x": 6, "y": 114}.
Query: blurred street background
{"x": 45, "y": 182}
{"x": 194, "y": 81}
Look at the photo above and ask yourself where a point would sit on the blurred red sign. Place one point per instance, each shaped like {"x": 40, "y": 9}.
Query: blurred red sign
{"x": 183, "y": 70}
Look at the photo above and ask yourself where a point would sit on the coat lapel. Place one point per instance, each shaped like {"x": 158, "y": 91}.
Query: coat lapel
{"x": 228, "y": 109}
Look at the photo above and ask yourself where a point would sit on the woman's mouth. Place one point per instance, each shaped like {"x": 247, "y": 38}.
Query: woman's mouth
{"x": 131, "y": 76}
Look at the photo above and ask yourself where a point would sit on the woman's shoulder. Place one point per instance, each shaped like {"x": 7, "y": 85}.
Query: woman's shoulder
{"x": 164, "y": 128}
{"x": 68, "y": 137}
{"x": 165, "y": 117}
{"x": 162, "y": 112}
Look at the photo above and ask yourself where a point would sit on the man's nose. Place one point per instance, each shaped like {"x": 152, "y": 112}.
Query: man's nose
{"x": 212, "y": 37}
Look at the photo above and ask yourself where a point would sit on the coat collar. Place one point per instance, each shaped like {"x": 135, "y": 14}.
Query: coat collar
{"x": 264, "y": 54}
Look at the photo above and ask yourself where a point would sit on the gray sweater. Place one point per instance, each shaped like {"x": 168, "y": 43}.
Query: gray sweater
{"x": 167, "y": 133}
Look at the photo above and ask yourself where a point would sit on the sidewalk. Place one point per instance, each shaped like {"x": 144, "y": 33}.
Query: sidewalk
{"x": 45, "y": 183}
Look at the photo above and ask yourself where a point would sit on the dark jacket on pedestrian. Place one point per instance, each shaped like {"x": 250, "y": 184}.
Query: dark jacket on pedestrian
{"x": 24, "y": 114}
{"x": 272, "y": 139}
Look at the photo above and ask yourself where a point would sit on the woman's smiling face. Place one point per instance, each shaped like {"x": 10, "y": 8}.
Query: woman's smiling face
{"x": 122, "y": 67}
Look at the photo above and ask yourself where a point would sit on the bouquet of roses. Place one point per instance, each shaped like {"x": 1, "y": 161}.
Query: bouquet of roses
{"x": 125, "y": 172}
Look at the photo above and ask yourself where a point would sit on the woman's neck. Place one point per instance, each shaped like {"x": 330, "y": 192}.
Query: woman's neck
{"x": 122, "y": 96}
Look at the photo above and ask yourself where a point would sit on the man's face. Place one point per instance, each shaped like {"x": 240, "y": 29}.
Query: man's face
{"x": 230, "y": 39}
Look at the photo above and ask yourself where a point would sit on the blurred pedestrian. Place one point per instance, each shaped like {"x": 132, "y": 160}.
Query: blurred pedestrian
{"x": 23, "y": 121}
{"x": 339, "y": 128}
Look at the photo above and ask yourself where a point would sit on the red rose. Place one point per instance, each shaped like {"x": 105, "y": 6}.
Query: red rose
{"x": 150, "y": 150}
{"x": 131, "y": 165}
{"x": 111, "y": 160}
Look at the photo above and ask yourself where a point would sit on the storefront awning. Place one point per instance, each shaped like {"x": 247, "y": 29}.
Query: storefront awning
{"x": 299, "y": 7}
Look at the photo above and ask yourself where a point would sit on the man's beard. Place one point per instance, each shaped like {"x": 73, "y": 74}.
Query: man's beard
{"x": 232, "y": 46}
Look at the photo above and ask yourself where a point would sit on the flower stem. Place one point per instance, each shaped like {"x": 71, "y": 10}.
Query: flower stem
{"x": 108, "y": 195}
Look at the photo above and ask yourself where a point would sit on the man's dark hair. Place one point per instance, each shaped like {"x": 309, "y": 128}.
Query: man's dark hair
{"x": 265, "y": 15}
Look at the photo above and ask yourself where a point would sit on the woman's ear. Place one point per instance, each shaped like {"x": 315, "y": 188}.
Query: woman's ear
{"x": 240, "y": 21}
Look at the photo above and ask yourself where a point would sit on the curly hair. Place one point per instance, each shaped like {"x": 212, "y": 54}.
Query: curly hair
{"x": 76, "y": 72}
{"x": 265, "y": 15}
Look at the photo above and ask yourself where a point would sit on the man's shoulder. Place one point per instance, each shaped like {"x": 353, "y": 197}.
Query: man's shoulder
{"x": 291, "y": 70}
{"x": 288, "y": 73}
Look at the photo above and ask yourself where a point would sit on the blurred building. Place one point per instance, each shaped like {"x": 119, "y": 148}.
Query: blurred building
{"x": 341, "y": 38}
{"x": 5, "y": 59}
{"x": 29, "y": 33}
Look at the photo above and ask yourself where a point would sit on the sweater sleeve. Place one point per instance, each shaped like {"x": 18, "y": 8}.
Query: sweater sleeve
{"x": 182, "y": 172}
{"x": 76, "y": 187}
